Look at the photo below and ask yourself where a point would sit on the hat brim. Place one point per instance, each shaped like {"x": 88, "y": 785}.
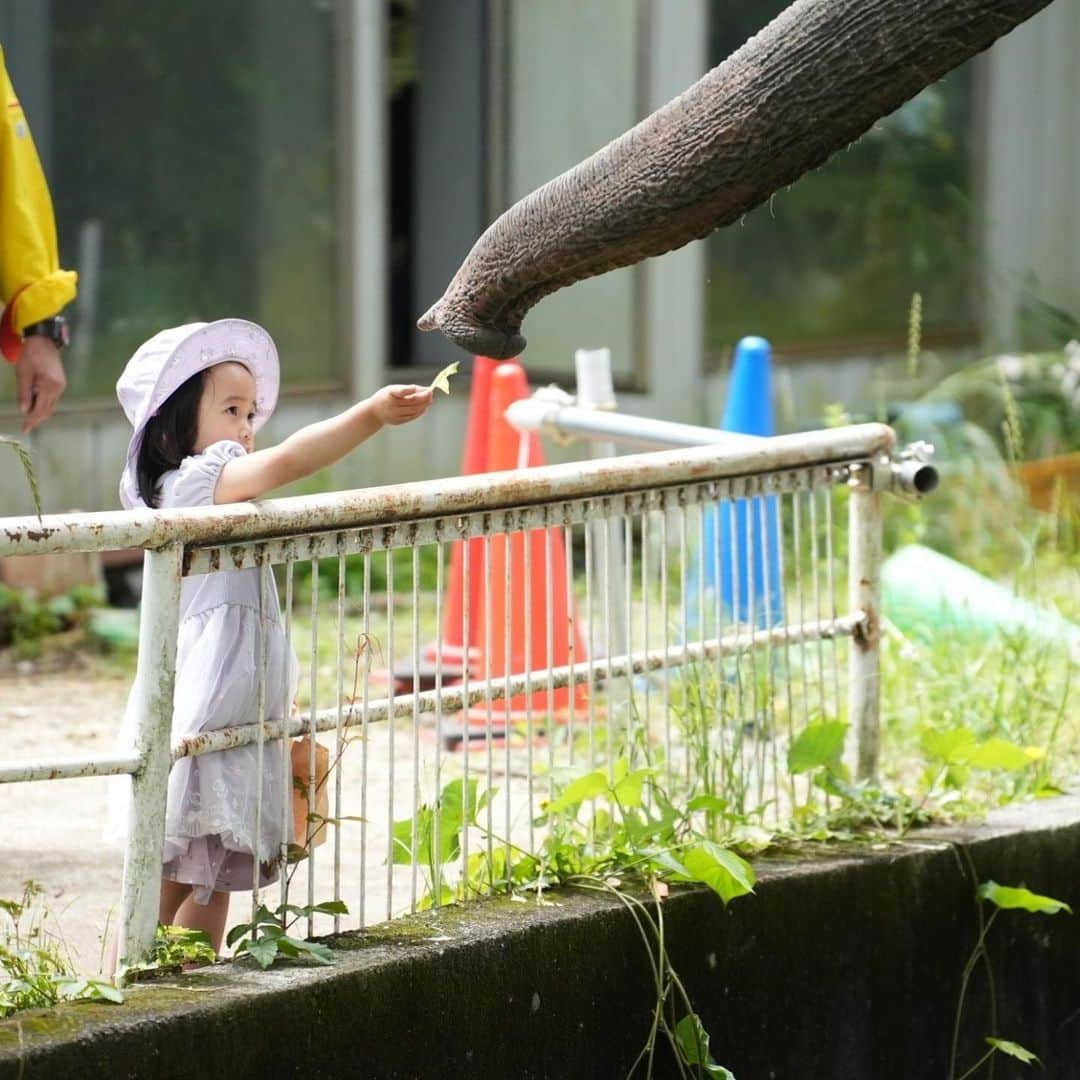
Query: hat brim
{"x": 212, "y": 343}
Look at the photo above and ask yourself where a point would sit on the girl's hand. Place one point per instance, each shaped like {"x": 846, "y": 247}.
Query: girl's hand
{"x": 399, "y": 404}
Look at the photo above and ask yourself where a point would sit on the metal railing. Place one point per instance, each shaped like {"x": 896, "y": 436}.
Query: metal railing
{"x": 694, "y": 679}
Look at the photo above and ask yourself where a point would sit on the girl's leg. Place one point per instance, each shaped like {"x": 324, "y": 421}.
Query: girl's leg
{"x": 209, "y": 917}
{"x": 173, "y": 894}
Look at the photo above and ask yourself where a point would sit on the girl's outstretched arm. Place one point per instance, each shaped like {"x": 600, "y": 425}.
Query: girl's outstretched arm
{"x": 320, "y": 444}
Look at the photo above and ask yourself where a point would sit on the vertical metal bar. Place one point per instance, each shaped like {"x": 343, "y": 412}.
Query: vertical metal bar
{"x": 683, "y": 625}
{"x": 784, "y": 615}
{"x": 339, "y": 742}
{"x": 758, "y": 744}
{"x": 736, "y": 622}
{"x": 864, "y": 596}
{"x": 285, "y": 757}
{"x": 708, "y": 712}
{"x": 508, "y": 630}
{"x": 605, "y": 605}
{"x": 529, "y": 719}
{"x": 263, "y": 569}
{"x": 152, "y": 703}
{"x": 437, "y": 882}
{"x": 830, "y": 494}
{"x": 488, "y": 657}
{"x": 764, "y": 511}
{"x": 590, "y": 640}
{"x": 314, "y": 676}
{"x": 646, "y": 586}
{"x": 365, "y": 644}
{"x": 391, "y": 725}
{"x": 815, "y": 562}
{"x": 549, "y": 644}
{"x": 414, "y": 868}
{"x": 800, "y": 598}
{"x": 571, "y": 647}
{"x": 722, "y": 704}
{"x": 665, "y": 604}
{"x": 628, "y": 621}
{"x": 466, "y": 672}
{"x": 702, "y": 629}
{"x": 683, "y": 635}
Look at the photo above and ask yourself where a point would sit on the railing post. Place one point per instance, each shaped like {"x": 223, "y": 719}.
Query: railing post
{"x": 864, "y": 595}
{"x": 152, "y": 703}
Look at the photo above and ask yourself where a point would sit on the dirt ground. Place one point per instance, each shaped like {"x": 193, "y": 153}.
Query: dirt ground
{"x": 53, "y": 829}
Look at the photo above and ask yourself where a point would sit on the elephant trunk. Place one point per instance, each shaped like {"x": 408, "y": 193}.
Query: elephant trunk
{"x": 809, "y": 84}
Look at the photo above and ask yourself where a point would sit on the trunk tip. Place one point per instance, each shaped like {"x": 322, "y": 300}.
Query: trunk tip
{"x": 429, "y": 320}
{"x": 481, "y": 339}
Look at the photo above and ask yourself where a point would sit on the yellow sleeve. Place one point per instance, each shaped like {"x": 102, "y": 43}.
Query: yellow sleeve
{"x": 29, "y": 263}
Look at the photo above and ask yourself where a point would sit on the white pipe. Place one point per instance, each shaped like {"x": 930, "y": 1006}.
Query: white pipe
{"x": 540, "y": 414}
{"x": 911, "y": 476}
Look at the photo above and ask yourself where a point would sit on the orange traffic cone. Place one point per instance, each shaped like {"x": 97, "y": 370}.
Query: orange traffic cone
{"x": 504, "y": 635}
{"x": 455, "y": 649}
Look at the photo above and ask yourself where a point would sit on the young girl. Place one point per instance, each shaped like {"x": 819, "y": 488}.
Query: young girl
{"x": 196, "y": 395}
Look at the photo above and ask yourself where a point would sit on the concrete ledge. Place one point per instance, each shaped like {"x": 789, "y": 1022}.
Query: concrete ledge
{"x": 844, "y": 966}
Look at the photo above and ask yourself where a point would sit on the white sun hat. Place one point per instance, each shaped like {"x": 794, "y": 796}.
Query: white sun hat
{"x": 163, "y": 364}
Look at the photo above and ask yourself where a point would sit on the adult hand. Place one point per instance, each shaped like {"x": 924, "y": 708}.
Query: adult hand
{"x": 39, "y": 380}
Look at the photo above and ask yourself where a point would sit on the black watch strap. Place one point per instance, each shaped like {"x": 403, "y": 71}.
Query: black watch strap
{"x": 54, "y": 328}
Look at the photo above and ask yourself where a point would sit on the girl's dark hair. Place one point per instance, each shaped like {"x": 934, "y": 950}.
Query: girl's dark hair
{"x": 169, "y": 437}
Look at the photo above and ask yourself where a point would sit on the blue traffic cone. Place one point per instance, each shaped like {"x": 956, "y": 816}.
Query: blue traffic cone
{"x": 747, "y": 558}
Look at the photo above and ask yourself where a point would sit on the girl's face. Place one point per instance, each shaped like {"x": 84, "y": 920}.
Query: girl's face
{"x": 227, "y": 407}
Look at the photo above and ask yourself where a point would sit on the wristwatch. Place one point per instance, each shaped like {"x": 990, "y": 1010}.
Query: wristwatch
{"x": 55, "y": 329}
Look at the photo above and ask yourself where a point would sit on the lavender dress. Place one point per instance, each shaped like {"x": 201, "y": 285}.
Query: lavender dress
{"x": 210, "y": 818}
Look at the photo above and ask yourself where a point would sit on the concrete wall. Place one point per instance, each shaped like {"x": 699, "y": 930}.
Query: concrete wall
{"x": 840, "y": 966}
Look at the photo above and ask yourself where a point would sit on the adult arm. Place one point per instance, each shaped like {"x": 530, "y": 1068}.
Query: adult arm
{"x": 32, "y": 285}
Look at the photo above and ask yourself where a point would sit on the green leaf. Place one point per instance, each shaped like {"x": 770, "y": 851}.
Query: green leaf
{"x": 628, "y": 790}
{"x": 296, "y": 853}
{"x": 442, "y": 380}
{"x": 457, "y": 810}
{"x": 817, "y": 746}
{"x": 1013, "y": 1050}
{"x": 953, "y": 746}
{"x": 264, "y": 950}
{"x": 1009, "y": 898}
{"x": 666, "y": 863}
{"x": 584, "y": 787}
{"x": 723, "y": 871}
{"x": 751, "y": 838}
{"x": 331, "y": 907}
{"x": 237, "y": 932}
{"x": 314, "y": 949}
{"x": 28, "y": 470}
{"x": 1000, "y": 754}
{"x": 693, "y": 1042}
{"x": 264, "y": 916}
{"x": 403, "y": 836}
{"x": 100, "y": 990}
{"x": 711, "y": 803}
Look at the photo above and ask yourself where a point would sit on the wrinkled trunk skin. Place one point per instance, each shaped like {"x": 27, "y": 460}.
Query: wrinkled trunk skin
{"x": 809, "y": 84}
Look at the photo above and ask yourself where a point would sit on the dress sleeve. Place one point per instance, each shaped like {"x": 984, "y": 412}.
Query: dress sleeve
{"x": 194, "y": 482}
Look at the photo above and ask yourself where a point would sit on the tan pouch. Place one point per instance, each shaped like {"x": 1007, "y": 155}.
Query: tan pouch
{"x": 309, "y": 833}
